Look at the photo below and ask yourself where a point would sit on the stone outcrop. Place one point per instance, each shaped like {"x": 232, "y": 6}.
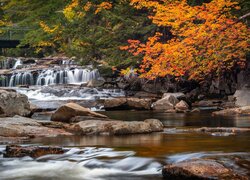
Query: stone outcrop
{"x": 198, "y": 170}
{"x": 233, "y": 111}
{"x": 13, "y": 103}
{"x": 18, "y": 126}
{"x": 128, "y": 103}
{"x": 116, "y": 127}
{"x": 32, "y": 151}
{"x": 70, "y": 110}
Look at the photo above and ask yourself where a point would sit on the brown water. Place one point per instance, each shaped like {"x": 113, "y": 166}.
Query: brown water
{"x": 140, "y": 156}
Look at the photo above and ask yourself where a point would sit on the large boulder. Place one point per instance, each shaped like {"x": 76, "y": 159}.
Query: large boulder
{"x": 117, "y": 127}
{"x": 128, "y": 103}
{"x": 198, "y": 170}
{"x": 70, "y": 110}
{"x": 18, "y": 126}
{"x": 32, "y": 151}
{"x": 164, "y": 104}
{"x": 13, "y": 103}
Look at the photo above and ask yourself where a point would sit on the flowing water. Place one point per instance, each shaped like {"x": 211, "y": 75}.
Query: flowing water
{"x": 136, "y": 156}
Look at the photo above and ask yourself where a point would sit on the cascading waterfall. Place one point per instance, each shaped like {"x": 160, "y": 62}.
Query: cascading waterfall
{"x": 51, "y": 76}
{"x": 17, "y": 63}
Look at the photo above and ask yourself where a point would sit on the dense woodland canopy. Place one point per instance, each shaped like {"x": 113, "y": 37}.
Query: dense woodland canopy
{"x": 181, "y": 38}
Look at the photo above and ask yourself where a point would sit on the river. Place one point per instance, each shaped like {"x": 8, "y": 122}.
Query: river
{"x": 136, "y": 156}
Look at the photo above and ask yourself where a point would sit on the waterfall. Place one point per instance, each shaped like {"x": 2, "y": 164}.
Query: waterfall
{"x": 49, "y": 77}
{"x": 18, "y": 63}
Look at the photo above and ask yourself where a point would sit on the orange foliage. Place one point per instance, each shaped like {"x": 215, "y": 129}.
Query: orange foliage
{"x": 206, "y": 39}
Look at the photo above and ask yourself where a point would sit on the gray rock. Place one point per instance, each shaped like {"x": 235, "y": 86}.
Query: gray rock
{"x": 12, "y": 103}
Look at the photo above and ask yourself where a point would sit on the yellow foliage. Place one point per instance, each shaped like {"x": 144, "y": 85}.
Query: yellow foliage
{"x": 47, "y": 29}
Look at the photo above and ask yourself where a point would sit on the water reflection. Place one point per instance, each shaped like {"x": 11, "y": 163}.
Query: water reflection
{"x": 157, "y": 144}
{"x": 183, "y": 119}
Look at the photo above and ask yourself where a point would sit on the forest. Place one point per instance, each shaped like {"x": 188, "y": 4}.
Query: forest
{"x": 190, "y": 38}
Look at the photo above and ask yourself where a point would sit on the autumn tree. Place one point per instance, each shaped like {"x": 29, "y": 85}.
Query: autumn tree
{"x": 206, "y": 39}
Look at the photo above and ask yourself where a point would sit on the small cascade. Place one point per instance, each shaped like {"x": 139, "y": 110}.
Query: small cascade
{"x": 25, "y": 78}
{"x": 18, "y": 64}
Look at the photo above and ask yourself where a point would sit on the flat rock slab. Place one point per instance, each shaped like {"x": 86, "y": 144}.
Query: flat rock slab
{"x": 18, "y": 126}
{"x": 90, "y": 127}
{"x": 198, "y": 170}
{"x": 32, "y": 151}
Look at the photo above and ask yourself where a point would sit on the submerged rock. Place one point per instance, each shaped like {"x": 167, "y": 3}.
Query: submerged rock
{"x": 117, "y": 127}
{"x": 198, "y": 170}
{"x": 18, "y": 126}
{"x": 13, "y": 103}
{"x": 32, "y": 151}
{"x": 222, "y": 130}
{"x": 70, "y": 110}
{"x": 233, "y": 111}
